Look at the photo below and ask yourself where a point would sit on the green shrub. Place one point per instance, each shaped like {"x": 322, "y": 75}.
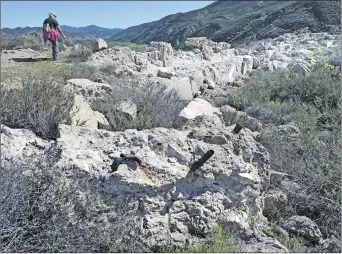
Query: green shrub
{"x": 78, "y": 53}
{"x": 114, "y": 70}
{"x": 76, "y": 71}
{"x": 39, "y": 106}
{"x": 312, "y": 158}
{"x": 236, "y": 99}
{"x": 156, "y": 106}
{"x": 222, "y": 242}
{"x": 61, "y": 72}
{"x": 283, "y": 86}
{"x": 23, "y": 41}
{"x": 133, "y": 46}
{"x": 293, "y": 244}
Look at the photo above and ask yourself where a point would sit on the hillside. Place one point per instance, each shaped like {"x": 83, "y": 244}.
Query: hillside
{"x": 236, "y": 22}
{"x": 77, "y": 33}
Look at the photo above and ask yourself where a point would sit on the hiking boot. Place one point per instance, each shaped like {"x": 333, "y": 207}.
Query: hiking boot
{"x": 57, "y": 61}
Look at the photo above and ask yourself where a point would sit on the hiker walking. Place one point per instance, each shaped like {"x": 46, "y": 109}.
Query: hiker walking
{"x": 50, "y": 27}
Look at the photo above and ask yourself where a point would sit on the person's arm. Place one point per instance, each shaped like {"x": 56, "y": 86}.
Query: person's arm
{"x": 44, "y": 25}
{"x": 43, "y": 30}
{"x": 60, "y": 30}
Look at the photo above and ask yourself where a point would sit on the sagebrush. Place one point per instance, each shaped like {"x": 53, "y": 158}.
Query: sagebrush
{"x": 40, "y": 105}
{"x": 157, "y": 106}
{"x": 45, "y": 210}
{"x": 312, "y": 157}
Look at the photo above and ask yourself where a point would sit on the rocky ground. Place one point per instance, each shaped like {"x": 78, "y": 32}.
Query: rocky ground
{"x": 169, "y": 202}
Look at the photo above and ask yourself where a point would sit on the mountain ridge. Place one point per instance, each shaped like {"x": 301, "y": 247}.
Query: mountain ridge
{"x": 81, "y": 33}
{"x": 237, "y": 22}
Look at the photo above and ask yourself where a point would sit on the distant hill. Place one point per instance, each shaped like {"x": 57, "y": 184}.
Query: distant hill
{"x": 238, "y": 22}
{"x": 76, "y": 33}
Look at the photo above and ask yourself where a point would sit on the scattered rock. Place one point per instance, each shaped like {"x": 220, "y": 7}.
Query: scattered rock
{"x": 233, "y": 179}
{"x": 304, "y": 227}
{"x": 195, "y": 201}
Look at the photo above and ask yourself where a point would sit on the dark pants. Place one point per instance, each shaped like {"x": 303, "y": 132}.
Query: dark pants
{"x": 54, "y": 50}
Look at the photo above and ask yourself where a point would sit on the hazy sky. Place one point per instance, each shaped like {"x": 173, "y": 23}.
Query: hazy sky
{"x": 110, "y": 14}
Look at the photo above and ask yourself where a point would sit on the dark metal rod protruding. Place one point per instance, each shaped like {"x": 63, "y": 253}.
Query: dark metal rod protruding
{"x": 237, "y": 129}
{"x": 202, "y": 160}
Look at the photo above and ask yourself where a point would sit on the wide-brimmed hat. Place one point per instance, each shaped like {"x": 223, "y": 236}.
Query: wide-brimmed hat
{"x": 52, "y": 14}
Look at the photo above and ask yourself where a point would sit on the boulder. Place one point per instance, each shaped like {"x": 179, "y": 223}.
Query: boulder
{"x": 246, "y": 178}
{"x": 162, "y": 51}
{"x": 99, "y": 45}
{"x": 140, "y": 59}
{"x": 304, "y": 227}
{"x": 232, "y": 116}
{"x": 235, "y": 221}
{"x": 129, "y": 108}
{"x": 206, "y": 46}
{"x": 300, "y": 68}
{"x": 182, "y": 85}
{"x": 256, "y": 63}
{"x": 330, "y": 245}
{"x": 335, "y": 60}
{"x": 221, "y": 46}
{"x": 248, "y": 63}
{"x": 196, "y": 51}
{"x": 211, "y": 84}
{"x": 274, "y": 202}
{"x": 118, "y": 57}
{"x": 21, "y": 147}
{"x": 198, "y": 107}
{"x": 197, "y": 42}
{"x": 207, "y": 52}
{"x": 165, "y": 73}
{"x": 81, "y": 114}
{"x": 88, "y": 89}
